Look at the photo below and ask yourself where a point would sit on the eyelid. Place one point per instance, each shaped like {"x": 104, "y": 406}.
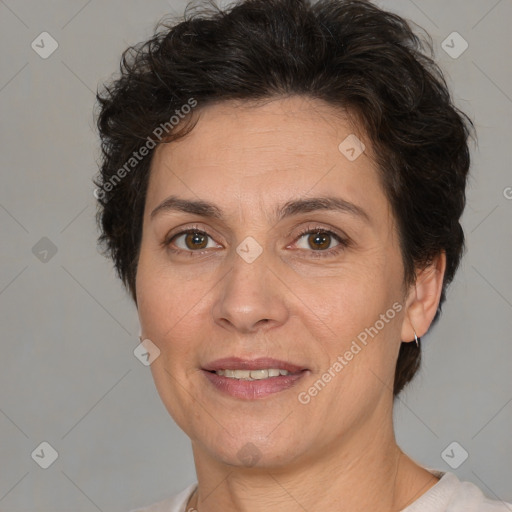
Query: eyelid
{"x": 182, "y": 230}
{"x": 316, "y": 227}
{"x": 343, "y": 240}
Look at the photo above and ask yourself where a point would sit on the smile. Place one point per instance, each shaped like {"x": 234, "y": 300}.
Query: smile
{"x": 252, "y": 374}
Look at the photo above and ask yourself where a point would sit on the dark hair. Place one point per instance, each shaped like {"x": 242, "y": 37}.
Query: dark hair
{"x": 348, "y": 53}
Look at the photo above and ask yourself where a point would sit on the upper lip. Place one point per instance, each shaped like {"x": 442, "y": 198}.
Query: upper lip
{"x": 262, "y": 363}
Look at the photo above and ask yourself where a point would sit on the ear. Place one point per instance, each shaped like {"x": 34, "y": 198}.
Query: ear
{"x": 423, "y": 299}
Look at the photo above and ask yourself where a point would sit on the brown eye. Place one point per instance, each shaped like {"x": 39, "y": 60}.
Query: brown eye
{"x": 190, "y": 241}
{"x": 320, "y": 240}
{"x": 196, "y": 240}
{"x": 317, "y": 240}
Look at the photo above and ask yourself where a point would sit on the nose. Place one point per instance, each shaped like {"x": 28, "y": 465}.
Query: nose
{"x": 250, "y": 297}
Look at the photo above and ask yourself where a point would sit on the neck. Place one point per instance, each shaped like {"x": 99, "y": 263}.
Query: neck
{"x": 366, "y": 470}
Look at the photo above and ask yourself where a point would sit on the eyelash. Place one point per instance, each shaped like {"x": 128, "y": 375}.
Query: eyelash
{"x": 343, "y": 242}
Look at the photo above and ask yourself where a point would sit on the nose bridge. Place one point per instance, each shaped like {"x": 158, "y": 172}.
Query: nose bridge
{"x": 249, "y": 294}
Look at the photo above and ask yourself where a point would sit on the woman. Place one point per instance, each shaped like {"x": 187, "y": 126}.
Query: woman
{"x": 280, "y": 192}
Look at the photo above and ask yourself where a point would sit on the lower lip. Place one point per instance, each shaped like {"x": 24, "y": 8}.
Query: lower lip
{"x": 253, "y": 389}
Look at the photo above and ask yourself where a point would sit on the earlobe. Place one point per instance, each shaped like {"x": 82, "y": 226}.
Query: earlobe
{"x": 423, "y": 299}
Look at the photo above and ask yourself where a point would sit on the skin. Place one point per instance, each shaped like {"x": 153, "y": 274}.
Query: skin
{"x": 247, "y": 158}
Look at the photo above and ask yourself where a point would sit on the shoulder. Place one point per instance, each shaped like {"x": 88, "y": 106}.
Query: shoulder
{"x": 468, "y": 497}
{"x": 175, "y": 503}
{"x": 448, "y": 495}
{"x": 452, "y": 495}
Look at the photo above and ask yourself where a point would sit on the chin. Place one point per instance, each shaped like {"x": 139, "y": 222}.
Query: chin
{"x": 254, "y": 452}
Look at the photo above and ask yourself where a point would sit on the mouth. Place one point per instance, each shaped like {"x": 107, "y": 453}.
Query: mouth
{"x": 252, "y": 374}
{"x": 252, "y": 379}
{"x": 255, "y": 369}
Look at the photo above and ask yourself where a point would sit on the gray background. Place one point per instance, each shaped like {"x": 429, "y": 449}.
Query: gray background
{"x": 68, "y": 375}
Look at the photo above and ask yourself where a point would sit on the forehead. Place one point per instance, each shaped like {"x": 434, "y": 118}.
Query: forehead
{"x": 252, "y": 153}
{"x": 283, "y": 129}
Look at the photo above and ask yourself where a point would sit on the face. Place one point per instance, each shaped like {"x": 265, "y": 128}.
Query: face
{"x": 270, "y": 278}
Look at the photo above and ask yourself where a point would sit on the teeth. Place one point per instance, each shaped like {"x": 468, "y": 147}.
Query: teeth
{"x": 258, "y": 374}
{"x": 252, "y": 374}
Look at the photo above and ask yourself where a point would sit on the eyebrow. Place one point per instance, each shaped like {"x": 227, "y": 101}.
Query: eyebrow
{"x": 288, "y": 209}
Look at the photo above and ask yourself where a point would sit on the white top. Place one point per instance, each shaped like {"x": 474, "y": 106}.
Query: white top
{"x": 448, "y": 495}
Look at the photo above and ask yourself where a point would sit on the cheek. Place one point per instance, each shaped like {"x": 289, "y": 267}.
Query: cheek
{"x": 358, "y": 314}
{"x": 165, "y": 301}
{"x": 173, "y": 316}
{"x": 168, "y": 317}
{"x": 350, "y": 300}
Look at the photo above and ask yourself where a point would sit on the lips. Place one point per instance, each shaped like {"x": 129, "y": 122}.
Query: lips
{"x": 247, "y": 388}
{"x": 262, "y": 363}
